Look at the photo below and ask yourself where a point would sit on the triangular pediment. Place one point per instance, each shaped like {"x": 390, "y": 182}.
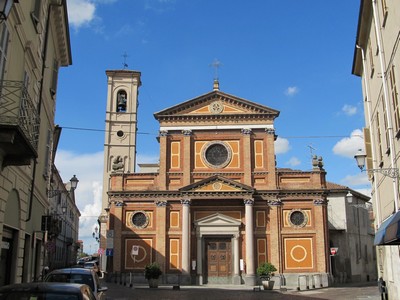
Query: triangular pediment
{"x": 216, "y": 103}
{"x": 217, "y": 183}
{"x": 217, "y": 220}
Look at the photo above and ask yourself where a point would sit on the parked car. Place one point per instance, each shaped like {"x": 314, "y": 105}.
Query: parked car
{"x": 46, "y": 290}
{"x": 79, "y": 275}
{"x": 91, "y": 265}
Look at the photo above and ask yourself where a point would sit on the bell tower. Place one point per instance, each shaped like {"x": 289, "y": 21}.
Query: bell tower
{"x": 121, "y": 125}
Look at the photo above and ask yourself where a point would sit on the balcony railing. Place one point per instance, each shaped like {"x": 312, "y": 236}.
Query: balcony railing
{"x": 19, "y": 123}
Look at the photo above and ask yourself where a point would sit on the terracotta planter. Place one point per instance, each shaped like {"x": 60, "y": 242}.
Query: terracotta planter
{"x": 268, "y": 284}
{"x": 153, "y": 283}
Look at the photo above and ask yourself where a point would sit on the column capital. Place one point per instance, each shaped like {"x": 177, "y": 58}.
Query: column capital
{"x": 118, "y": 203}
{"x": 320, "y": 202}
{"x": 186, "y": 202}
{"x": 187, "y": 132}
{"x": 161, "y": 203}
{"x": 246, "y": 131}
{"x": 163, "y": 133}
{"x": 270, "y": 130}
{"x": 275, "y": 202}
{"x": 248, "y": 201}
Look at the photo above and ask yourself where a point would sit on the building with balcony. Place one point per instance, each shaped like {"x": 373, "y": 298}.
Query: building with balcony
{"x": 376, "y": 61}
{"x": 34, "y": 44}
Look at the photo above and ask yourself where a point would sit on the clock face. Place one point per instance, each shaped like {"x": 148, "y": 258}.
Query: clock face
{"x": 217, "y": 154}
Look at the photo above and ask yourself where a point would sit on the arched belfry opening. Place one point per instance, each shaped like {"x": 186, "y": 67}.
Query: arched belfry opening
{"x": 121, "y": 101}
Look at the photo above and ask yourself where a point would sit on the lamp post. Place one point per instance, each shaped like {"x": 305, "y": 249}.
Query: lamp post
{"x": 389, "y": 172}
{"x": 74, "y": 184}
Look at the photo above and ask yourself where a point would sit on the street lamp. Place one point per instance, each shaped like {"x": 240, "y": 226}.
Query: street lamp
{"x": 5, "y": 8}
{"x": 361, "y": 157}
{"x": 74, "y": 183}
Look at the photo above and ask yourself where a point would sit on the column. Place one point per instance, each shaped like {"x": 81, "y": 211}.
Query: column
{"x": 163, "y": 160}
{"x": 187, "y": 154}
{"x": 199, "y": 263}
{"x": 236, "y": 270}
{"x": 247, "y": 155}
{"x": 250, "y": 271}
{"x": 117, "y": 258}
{"x": 185, "y": 237}
{"x": 160, "y": 243}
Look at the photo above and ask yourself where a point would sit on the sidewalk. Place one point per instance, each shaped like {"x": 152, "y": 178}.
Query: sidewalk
{"x": 231, "y": 292}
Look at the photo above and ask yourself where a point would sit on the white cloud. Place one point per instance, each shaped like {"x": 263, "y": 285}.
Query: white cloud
{"x": 293, "y": 161}
{"x": 356, "y": 180}
{"x": 291, "y": 91}
{"x": 349, "y": 146}
{"x": 81, "y": 12}
{"x": 88, "y": 168}
{"x": 281, "y": 145}
{"x": 349, "y": 110}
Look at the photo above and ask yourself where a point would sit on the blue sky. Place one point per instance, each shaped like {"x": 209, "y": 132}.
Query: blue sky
{"x": 293, "y": 56}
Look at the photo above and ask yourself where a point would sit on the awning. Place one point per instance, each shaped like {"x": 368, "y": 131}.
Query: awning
{"x": 392, "y": 236}
{"x": 389, "y": 231}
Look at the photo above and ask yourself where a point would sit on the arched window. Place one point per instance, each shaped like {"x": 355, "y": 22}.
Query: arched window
{"x": 121, "y": 101}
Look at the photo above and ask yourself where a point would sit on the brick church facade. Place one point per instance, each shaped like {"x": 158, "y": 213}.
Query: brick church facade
{"x": 217, "y": 206}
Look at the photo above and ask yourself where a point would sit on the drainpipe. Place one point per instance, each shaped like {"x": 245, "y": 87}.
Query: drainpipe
{"x": 386, "y": 98}
{"x": 367, "y": 100}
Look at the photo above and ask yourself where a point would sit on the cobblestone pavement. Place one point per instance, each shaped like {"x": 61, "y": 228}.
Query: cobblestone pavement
{"x": 121, "y": 292}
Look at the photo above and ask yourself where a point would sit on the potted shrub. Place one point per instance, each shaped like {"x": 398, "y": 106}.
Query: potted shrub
{"x": 152, "y": 272}
{"x": 265, "y": 271}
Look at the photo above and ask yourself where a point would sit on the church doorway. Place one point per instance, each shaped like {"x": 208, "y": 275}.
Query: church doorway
{"x": 218, "y": 260}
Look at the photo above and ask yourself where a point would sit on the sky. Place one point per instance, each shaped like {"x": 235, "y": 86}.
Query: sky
{"x": 292, "y": 56}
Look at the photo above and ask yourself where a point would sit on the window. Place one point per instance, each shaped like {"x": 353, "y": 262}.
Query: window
{"x": 371, "y": 58}
{"x": 379, "y": 138}
{"x": 384, "y": 12}
{"x": 35, "y": 14}
{"x": 395, "y": 99}
{"x": 121, "y": 101}
{"x": 385, "y": 123}
{"x": 53, "y": 88}
{"x": 47, "y": 162}
{"x": 4, "y": 34}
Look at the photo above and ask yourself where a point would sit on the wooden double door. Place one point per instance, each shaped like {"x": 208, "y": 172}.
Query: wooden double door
{"x": 219, "y": 260}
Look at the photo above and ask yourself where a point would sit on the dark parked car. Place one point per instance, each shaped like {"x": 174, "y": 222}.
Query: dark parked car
{"x": 46, "y": 290}
{"x": 79, "y": 275}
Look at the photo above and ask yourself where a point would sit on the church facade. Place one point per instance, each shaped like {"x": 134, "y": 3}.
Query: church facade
{"x": 217, "y": 206}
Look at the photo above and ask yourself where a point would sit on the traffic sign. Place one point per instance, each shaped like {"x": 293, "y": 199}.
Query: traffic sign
{"x": 109, "y": 252}
{"x": 135, "y": 250}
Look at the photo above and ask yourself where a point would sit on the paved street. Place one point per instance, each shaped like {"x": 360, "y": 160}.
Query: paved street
{"x": 121, "y": 292}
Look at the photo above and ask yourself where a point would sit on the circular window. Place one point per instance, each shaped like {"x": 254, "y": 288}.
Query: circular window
{"x": 217, "y": 154}
{"x": 216, "y": 107}
{"x": 120, "y": 133}
{"x": 298, "y": 218}
{"x": 140, "y": 219}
